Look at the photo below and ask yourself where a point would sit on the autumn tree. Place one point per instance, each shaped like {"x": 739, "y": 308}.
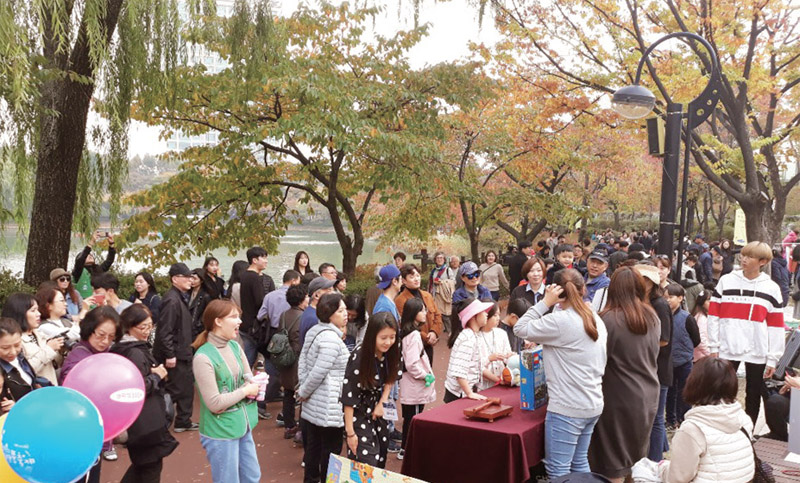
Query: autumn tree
{"x": 594, "y": 46}
{"x": 307, "y": 104}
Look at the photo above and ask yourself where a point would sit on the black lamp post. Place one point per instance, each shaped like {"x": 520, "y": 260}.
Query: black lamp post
{"x": 636, "y": 102}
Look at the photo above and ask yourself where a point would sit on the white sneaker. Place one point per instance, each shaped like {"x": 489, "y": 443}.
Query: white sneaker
{"x": 401, "y": 454}
{"x": 110, "y": 455}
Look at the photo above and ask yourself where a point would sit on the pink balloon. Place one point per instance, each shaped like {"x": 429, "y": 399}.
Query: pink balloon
{"x": 114, "y": 385}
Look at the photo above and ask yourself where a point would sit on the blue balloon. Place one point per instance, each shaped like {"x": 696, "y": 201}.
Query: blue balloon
{"x": 52, "y": 435}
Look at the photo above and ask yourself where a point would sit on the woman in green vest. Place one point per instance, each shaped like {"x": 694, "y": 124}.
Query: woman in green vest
{"x": 228, "y": 411}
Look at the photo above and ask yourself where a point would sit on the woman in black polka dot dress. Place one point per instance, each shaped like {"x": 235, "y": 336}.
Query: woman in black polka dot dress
{"x": 371, "y": 371}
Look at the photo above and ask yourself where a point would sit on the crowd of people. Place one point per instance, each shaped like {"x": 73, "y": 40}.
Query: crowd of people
{"x": 629, "y": 353}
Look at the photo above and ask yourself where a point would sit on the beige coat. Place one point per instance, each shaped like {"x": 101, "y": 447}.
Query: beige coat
{"x": 40, "y": 356}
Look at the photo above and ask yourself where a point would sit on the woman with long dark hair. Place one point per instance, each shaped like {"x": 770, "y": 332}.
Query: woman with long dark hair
{"x": 40, "y": 353}
{"x": 213, "y": 284}
{"x": 198, "y": 300}
{"x": 149, "y": 439}
{"x": 574, "y": 340}
{"x": 416, "y": 387}
{"x": 302, "y": 263}
{"x": 145, "y": 293}
{"x": 356, "y": 318}
{"x": 630, "y": 382}
{"x": 654, "y": 296}
{"x": 371, "y": 369}
{"x": 234, "y": 283}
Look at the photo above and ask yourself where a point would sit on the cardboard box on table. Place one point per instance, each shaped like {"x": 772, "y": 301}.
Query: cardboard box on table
{"x": 343, "y": 470}
{"x": 532, "y": 382}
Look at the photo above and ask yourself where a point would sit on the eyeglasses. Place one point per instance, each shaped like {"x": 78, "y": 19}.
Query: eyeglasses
{"x": 473, "y": 275}
{"x": 63, "y": 279}
{"x": 104, "y": 337}
{"x": 145, "y": 327}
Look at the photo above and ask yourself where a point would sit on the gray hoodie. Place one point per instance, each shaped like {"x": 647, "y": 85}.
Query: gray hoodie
{"x": 574, "y": 364}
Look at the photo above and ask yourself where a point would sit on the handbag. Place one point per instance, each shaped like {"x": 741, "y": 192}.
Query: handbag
{"x": 763, "y": 471}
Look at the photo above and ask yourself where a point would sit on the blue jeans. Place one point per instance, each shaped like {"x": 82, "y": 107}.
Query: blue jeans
{"x": 394, "y": 394}
{"x": 676, "y": 406}
{"x": 232, "y": 460}
{"x": 566, "y": 444}
{"x": 249, "y": 348}
{"x": 658, "y": 435}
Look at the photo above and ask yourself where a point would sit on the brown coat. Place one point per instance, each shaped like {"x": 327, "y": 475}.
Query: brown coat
{"x": 434, "y": 322}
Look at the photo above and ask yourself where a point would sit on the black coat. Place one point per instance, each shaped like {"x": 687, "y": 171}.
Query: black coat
{"x": 174, "y": 329}
{"x": 15, "y": 384}
{"x": 515, "y": 268}
{"x": 196, "y": 307}
{"x": 148, "y": 437}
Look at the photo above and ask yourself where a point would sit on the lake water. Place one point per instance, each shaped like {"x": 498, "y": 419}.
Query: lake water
{"x": 321, "y": 246}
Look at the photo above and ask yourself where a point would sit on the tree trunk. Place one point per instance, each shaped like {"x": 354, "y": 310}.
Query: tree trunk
{"x": 756, "y": 221}
{"x": 616, "y": 219}
{"x": 64, "y": 108}
{"x": 61, "y": 142}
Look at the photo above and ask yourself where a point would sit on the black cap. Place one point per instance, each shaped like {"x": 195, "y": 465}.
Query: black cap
{"x": 177, "y": 269}
{"x": 601, "y": 255}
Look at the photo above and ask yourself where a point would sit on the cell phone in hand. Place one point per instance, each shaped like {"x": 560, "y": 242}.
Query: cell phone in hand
{"x": 101, "y": 234}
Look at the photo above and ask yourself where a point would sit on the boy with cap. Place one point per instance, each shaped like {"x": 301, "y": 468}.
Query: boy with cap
{"x": 391, "y": 284}
{"x": 471, "y": 288}
{"x": 173, "y": 345}
{"x": 596, "y": 277}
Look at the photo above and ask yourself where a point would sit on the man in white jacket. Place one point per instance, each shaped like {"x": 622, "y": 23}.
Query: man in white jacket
{"x": 745, "y": 321}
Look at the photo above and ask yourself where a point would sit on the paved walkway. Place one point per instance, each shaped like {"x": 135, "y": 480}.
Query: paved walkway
{"x": 280, "y": 461}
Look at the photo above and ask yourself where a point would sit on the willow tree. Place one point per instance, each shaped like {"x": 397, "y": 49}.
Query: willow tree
{"x": 59, "y": 59}
{"x": 323, "y": 111}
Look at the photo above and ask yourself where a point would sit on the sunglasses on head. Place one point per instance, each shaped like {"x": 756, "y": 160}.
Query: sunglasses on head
{"x": 473, "y": 275}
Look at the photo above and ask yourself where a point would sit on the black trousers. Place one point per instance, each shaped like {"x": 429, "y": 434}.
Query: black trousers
{"x": 429, "y": 352}
{"x": 409, "y": 411}
{"x": 450, "y": 397}
{"x": 180, "y": 386}
{"x": 320, "y": 443}
{"x": 776, "y": 411}
{"x": 288, "y": 408}
{"x": 149, "y": 473}
{"x": 754, "y": 388}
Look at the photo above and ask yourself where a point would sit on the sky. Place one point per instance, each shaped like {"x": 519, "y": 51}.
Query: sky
{"x": 453, "y": 24}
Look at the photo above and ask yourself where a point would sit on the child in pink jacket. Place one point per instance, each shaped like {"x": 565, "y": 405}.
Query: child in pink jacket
{"x": 416, "y": 385}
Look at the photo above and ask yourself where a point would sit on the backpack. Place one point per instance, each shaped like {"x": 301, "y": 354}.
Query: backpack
{"x": 280, "y": 351}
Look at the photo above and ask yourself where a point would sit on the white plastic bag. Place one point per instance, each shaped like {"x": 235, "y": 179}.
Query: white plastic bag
{"x": 645, "y": 471}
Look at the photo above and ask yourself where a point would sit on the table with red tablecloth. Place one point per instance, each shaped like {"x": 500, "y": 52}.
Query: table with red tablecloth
{"x": 444, "y": 446}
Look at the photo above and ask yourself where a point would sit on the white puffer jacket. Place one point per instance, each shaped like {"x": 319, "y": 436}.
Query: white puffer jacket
{"x": 710, "y": 447}
{"x": 320, "y": 371}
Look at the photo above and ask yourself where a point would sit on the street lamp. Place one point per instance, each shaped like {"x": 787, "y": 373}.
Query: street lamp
{"x": 636, "y": 102}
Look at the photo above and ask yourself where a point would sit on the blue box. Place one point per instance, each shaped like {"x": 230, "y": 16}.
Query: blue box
{"x": 532, "y": 382}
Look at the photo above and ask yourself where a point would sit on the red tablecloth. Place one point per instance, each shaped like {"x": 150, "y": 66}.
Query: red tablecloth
{"x": 444, "y": 446}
